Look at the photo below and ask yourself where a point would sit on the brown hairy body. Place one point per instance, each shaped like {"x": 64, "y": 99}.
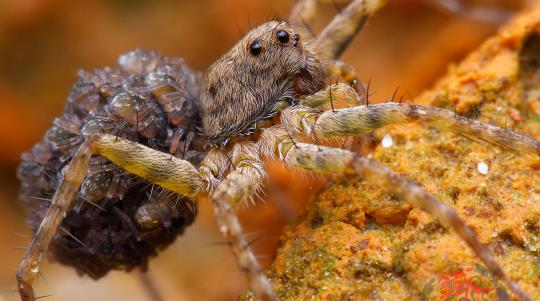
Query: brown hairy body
{"x": 259, "y": 84}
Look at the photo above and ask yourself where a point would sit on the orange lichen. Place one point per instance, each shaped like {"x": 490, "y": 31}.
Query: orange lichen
{"x": 355, "y": 241}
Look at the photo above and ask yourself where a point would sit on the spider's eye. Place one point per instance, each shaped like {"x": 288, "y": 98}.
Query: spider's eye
{"x": 255, "y": 48}
{"x": 282, "y": 36}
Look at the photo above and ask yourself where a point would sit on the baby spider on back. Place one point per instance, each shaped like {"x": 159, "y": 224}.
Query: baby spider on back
{"x": 265, "y": 98}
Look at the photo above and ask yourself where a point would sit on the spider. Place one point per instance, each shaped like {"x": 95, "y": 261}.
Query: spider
{"x": 153, "y": 122}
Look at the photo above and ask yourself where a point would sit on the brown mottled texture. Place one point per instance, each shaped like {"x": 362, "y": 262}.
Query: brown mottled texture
{"x": 358, "y": 241}
{"x": 147, "y": 99}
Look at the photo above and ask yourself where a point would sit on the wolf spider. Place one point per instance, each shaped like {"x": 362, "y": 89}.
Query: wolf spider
{"x": 156, "y": 120}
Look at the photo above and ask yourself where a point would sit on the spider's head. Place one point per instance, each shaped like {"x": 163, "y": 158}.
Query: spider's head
{"x": 272, "y": 64}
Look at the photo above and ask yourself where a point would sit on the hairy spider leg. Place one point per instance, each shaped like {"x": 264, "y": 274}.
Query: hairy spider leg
{"x": 274, "y": 143}
{"x": 363, "y": 119}
{"x": 29, "y": 268}
{"x": 159, "y": 168}
{"x": 181, "y": 177}
{"x": 172, "y": 173}
{"x": 303, "y": 16}
{"x": 303, "y": 13}
{"x": 243, "y": 182}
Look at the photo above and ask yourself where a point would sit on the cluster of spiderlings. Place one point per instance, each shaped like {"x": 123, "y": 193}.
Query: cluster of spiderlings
{"x": 118, "y": 220}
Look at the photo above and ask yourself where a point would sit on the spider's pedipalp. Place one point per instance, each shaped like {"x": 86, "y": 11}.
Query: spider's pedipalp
{"x": 330, "y": 160}
{"x": 238, "y": 186}
{"x": 362, "y": 119}
{"x": 29, "y": 268}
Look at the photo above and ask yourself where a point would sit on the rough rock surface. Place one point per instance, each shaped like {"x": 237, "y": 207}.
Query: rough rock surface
{"x": 355, "y": 241}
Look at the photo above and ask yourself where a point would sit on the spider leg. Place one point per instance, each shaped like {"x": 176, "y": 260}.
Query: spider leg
{"x": 29, "y": 267}
{"x": 238, "y": 186}
{"x": 337, "y": 35}
{"x": 362, "y": 119}
{"x": 303, "y": 13}
{"x": 157, "y": 167}
{"x": 276, "y": 144}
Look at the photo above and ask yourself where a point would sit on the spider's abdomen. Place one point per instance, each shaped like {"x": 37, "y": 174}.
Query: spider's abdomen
{"x": 149, "y": 99}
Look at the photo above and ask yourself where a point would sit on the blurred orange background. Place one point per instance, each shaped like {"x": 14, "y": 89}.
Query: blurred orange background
{"x": 44, "y": 42}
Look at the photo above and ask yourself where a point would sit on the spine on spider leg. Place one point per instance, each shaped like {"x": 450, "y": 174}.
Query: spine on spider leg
{"x": 60, "y": 204}
{"x": 335, "y": 38}
{"x": 238, "y": 186}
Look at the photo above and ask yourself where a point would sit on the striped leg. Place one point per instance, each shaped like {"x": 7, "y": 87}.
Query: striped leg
{"x": 157, "y": 167}
{"x": 30, "y": 265}
{"x": 238, "y": 186}
{"x": 362, "y": 119}
{"x": 276, "y": 143}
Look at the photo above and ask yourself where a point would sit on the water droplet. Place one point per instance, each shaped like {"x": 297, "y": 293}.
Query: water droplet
{"x": 387, "y": 141}
{"x": 483, "y": 168}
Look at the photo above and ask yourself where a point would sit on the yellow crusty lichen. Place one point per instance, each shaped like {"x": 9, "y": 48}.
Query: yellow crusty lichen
{"x": 354, "y": 241}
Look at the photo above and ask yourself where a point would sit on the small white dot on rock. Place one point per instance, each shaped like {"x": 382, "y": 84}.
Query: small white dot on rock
{"x": 387, "y": 141}
{"x": 483, "y": 168}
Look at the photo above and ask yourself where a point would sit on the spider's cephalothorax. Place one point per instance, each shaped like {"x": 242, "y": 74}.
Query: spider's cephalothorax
{"x": 267, "y": 70}
{"x": 129, "y": 129}
{"x": 149, "y": 99}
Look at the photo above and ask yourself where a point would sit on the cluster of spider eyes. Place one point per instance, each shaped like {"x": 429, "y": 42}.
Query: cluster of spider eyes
{"x": 282, "y": 36}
